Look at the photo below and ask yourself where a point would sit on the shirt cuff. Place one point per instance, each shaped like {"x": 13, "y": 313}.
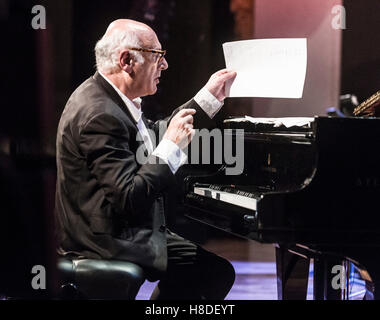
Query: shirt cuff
{"x": 171, "y": 154}
{"x": 208, "y": 102}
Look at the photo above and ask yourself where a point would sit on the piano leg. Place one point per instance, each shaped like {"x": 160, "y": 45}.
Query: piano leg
{"x": 323, "y": 277}
{"x": 292, "y": 274}
{"x": 372, "y": 282}
{"x": 367, "y": 264}
{"x": 372, "y": 290}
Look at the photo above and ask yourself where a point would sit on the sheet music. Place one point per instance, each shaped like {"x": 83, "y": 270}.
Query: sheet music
{"x": 277, "y": 122}
{"x": 271, "y": 68}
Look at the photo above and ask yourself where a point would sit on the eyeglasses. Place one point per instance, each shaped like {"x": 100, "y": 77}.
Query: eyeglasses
{"x": 160, "y": 52}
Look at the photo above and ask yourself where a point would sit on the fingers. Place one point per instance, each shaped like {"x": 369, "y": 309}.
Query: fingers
{"x": 192, "y": 134}
{"x": 180, "y": 129}
{"x": 218, "y": 79}
{"x": 185, "y": 112}
{"x": 188, "y": 127}
{"x": 186, "y": 116}
{"x": 226, "y": 75}
{"x": 217, "y": 82}
{"x": 188, "y": 119}
{"x": 220, "y": 72}
{"x": 184, "y": 135}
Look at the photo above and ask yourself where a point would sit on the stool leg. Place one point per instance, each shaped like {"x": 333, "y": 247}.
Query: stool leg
{"x": 69, "y": 291}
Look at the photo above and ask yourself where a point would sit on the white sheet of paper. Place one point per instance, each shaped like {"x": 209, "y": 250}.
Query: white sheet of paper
{"x": 268, "y": 68}
{"x": 277, "y": 122}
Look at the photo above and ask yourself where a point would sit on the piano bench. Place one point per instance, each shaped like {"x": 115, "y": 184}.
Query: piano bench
{"x": 99, "y": 279}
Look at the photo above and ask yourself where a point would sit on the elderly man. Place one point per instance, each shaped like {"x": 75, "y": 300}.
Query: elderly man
{"x": 108, "y": 204}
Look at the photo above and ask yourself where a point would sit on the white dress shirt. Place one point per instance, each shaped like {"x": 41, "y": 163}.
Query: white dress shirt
{"x": 167, "y": 150}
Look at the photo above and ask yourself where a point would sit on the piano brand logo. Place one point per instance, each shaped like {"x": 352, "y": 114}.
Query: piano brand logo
{"x": 338, "y": 22}
{"x": 39, "y": 20}
{"x": 368, "y": 182}
{"x": 224, "y": 147}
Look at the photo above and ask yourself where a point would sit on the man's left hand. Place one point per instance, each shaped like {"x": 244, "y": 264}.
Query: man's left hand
{"x": 217, "y": 83}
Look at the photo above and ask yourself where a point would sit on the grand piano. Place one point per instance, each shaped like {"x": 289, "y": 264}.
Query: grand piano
{"x": 311, "y": 189}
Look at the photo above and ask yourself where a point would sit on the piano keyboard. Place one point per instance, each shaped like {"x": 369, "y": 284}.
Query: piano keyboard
{"x": 247, "y": 202}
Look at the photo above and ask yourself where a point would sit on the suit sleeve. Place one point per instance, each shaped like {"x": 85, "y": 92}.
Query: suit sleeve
{"x": 130, "y": 188}
{"x": 201, "y": 118}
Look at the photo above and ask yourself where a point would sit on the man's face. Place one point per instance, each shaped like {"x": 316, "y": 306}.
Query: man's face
{"x": 147, "y": 74}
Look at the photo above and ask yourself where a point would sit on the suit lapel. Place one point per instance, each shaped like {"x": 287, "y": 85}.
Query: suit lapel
{"x": 114, "y": 96}
{"x": 134, "y": 143}
{"x": 119, "y": 101}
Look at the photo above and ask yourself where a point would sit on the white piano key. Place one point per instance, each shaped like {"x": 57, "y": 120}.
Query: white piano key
{"x": 232, "y": 198}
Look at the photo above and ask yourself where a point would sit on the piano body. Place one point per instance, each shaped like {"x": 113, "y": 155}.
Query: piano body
{"x": 313, "y": 190}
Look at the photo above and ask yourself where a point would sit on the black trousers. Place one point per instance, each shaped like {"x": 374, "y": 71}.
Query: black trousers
{"x": 193, "y": 273}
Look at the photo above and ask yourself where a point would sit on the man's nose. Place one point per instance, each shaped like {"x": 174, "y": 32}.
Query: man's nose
{"x": 164, "y": 64}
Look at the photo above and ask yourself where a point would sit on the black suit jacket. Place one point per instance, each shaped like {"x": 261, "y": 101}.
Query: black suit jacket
{"x": 108, "y": 206}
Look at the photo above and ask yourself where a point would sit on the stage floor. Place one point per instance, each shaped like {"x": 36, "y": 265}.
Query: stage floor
{"x": 255, "y": 269}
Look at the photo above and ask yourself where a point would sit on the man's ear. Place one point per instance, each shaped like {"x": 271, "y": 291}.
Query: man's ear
{"x": 126, "y": 61}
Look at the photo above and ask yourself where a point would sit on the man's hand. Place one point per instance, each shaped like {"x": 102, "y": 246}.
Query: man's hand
{"x": 217, "y": 83}
{"x": 180, "y": 129}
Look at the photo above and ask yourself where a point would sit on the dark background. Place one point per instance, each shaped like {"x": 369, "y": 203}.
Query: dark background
{"x": 40, "y": 69}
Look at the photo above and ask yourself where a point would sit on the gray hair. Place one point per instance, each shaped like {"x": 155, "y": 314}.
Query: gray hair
{"x": 108, "y": 49}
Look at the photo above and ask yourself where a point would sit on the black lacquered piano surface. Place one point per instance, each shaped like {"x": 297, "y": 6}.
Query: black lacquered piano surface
{"x": 317, "y": 186}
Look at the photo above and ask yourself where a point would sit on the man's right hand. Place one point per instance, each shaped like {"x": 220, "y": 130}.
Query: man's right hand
{"x": 180, "y": 129}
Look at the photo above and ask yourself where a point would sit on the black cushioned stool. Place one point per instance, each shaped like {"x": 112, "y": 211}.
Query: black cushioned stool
{"x": 99, "y": 279}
